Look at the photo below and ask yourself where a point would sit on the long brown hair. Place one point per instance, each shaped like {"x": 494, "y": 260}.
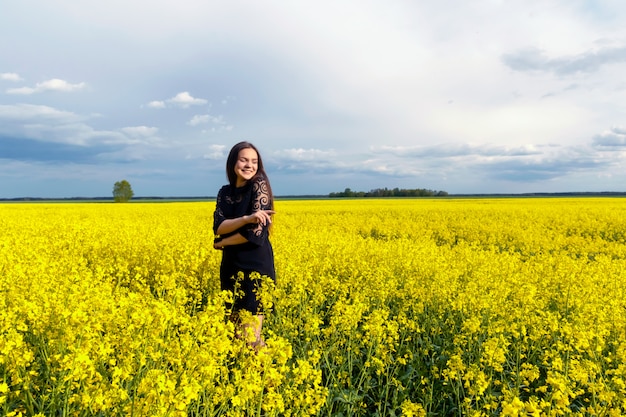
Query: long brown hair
{"x": 260, "y": 173}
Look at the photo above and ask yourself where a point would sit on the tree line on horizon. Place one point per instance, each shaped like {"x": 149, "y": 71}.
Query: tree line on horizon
{"x": 386, "y": 192}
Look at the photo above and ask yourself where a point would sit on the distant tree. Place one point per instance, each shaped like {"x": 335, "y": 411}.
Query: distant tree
{"x": 385, "y": 192}
{"x": 122, "y": 191}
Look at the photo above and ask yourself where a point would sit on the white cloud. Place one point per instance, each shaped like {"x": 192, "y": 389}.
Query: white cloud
{"x": 185, "y": 100}
{"x": 140, "y": 131}
{"x": 530, "y": 164}
{"x": 50, "y": 85}
{"x": 312, "y": 160}
{"x": 47, "y": 124}
{"x": 218, "y": 123}
{"x": 10, "y": 76}
{"x": 219, "y": 128}
{"x": 534, "y": 59}
{"x": 199, "y": 119}
{"x": 216, "y": 152}
{"x": 451, "y": 150}
{"x": 612, "y": 139}
{"x": 156, "y": 104}
{"x": 29, "y": 112}
{"x": 300, "y": 154}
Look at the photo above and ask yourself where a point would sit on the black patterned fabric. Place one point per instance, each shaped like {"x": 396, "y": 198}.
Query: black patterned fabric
{"x": 256, "y": 255}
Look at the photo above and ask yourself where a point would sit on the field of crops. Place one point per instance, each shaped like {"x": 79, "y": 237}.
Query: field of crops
{"x": 443, "y": 307}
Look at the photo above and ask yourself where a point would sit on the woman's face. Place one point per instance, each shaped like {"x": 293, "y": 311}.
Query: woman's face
{"x": 246, "y": 166}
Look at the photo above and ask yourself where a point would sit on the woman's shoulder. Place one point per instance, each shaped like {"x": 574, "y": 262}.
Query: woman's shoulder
{"x": 259, "y": 179}
{"x": 260, "y": 184}
{"x": 225, "y": 190}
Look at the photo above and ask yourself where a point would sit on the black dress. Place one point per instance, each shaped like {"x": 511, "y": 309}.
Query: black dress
{"x": 256, "y": 255}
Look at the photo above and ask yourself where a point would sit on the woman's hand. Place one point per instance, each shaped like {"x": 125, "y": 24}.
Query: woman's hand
{"x": 260, "y": 217}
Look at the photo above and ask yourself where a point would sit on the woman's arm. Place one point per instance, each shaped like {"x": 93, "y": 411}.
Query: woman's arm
{"x": 230, "y": 225}
{"x": 236, "y": 239}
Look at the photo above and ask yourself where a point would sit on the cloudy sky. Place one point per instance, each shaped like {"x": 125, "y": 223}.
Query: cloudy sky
{"x": 479, "y": 96}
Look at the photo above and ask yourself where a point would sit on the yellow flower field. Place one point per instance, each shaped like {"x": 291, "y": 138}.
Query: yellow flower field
{"x": 389, "y": 307}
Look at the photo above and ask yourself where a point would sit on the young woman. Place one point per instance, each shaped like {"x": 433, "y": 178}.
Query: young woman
{"x": 241, "y": 222}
